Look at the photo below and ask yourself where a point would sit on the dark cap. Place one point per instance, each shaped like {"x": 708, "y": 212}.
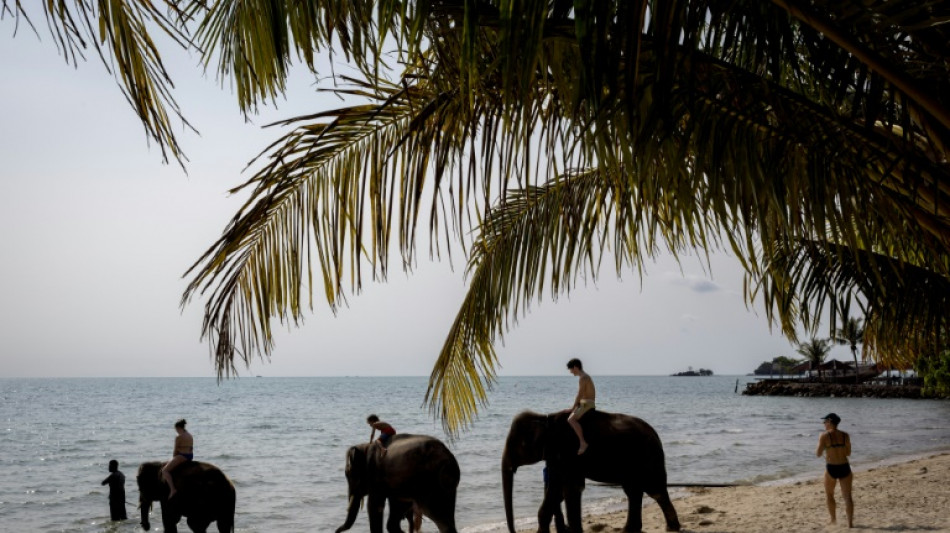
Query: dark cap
{"x": 835, "y": 419}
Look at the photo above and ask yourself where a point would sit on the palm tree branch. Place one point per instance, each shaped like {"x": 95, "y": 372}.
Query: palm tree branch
{"x": 905, "y": 304}
{"x": 119, "y": 32}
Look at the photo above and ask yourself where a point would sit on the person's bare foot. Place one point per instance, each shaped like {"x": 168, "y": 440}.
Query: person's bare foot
{"x": 582, "y": 449}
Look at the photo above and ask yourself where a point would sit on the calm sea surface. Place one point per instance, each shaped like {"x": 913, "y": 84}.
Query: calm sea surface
{"x": 282, "y": 441}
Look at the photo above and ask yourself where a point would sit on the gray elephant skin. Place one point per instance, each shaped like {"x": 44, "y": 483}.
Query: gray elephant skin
{"x": 204, "y": 495}
{"x": 414, "y": 469}
{"x": 623, "y": 450}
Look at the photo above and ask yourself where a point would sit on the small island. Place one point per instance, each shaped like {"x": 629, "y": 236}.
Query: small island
{"x": 691, "y": 372}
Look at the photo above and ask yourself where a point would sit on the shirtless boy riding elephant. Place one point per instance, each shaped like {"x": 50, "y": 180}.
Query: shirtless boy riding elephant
{"x": 582, "y": 403}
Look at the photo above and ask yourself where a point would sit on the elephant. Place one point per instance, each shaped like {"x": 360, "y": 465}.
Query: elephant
{"x": 624, "y": 450}
{"x": 205, "y": 495}
{"x": 412, "y": 470}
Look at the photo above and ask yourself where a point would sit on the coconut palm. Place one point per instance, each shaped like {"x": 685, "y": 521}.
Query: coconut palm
{"x": 851, "y": 333}
{"x": 815, "y": 351}
{"x": 540, "y": 138}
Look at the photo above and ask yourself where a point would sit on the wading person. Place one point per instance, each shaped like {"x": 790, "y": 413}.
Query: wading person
{"x": 183, "y": 452}
{"x": 582, "y": 403}
{"x": 836, "y": 445}
{"x": 116, "y": 482}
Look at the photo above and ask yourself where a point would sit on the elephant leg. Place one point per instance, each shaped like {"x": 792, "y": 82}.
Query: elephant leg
{"x": 440, "y": 508}
{"x": 198, "y": 525}
{"x": 546, "y": 511}
{"x": 415, "y": 519}
{"x": 572, "y": 504}
{"x": 559, "y": 524}
{"x": 375, "y": 505}
{"x": 669, "y": 512}
{"x": 170, "y": 519}
{"x": 225, "y": 523}
{"x": 634, "y": 509}
{"x": 398, "y": 510}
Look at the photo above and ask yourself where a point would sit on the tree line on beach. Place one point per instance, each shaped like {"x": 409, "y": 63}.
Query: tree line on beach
{"x": 539, "y": 139}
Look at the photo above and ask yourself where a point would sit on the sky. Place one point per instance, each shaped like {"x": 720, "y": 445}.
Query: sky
{"x": 97, "y": 232}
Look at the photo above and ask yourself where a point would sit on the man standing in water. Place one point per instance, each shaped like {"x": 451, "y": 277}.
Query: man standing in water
{"x": 582, "y": 403}
{"x": 116, "y": 482}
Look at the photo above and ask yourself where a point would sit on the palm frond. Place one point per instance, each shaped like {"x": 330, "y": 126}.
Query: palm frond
{"x": 906, "y": 305}
{"x": 256, "y": 41}
{"x": 339, "y": 183}
{"x": 539, "y": 240}
{"x": 121, "y": 33}
{"x": 679, "y": 122}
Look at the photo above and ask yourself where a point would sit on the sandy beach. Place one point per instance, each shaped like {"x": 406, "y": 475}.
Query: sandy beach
{"x": 909, "y": 496}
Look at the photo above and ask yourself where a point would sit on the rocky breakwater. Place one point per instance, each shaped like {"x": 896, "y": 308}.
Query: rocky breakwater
{"x": 776, "y": 387}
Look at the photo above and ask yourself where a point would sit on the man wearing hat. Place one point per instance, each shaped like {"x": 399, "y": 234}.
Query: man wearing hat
{"x": 836, "y": 445}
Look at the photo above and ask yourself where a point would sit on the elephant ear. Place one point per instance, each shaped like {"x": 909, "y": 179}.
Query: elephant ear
{"x": 148, "y": 477}
{"x": 550, "y": 445}
{"x": 357, "y": 465}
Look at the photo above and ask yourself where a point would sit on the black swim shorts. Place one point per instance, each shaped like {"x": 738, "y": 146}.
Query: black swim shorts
{"x": 839, "y": 471}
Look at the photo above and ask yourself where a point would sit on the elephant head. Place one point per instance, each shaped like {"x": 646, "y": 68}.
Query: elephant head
{"x": 526, "y": 443}
{"x": 151, "y": 488}
{"x": 357, "y": 480}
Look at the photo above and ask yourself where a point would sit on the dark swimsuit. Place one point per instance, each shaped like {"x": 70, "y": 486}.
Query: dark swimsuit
{"x": 189, "y": 456}
{"x": 838, "y": 471}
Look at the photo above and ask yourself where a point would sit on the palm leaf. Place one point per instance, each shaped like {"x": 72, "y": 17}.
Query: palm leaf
{"x": 120, "y": 31}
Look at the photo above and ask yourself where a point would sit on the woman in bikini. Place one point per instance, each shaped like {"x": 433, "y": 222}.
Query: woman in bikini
{"x": 836, "y": 445}
{"x": 183, "y": 452}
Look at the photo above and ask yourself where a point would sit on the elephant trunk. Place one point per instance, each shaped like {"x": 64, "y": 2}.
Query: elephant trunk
{"x": 351, "y": 513}
{"x": 507, "y": 483}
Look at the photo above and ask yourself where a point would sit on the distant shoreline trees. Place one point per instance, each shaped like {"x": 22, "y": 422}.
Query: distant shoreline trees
{"x": 691, "y": 372}
{"x": 779, "y": 365}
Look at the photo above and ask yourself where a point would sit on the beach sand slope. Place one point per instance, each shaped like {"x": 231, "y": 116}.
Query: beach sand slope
{"x": 909, "y": 496}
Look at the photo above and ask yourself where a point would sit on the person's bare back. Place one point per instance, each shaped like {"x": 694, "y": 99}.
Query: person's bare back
{"x": 585, "y": 388}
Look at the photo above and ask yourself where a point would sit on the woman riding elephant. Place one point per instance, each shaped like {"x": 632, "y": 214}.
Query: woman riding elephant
{"x": 204, "y": 495}
{"x": 414, "y": 470}
{"x": 624, "y": 450}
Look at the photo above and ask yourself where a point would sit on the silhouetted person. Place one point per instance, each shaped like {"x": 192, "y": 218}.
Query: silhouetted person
{"x": 116, "y": 482}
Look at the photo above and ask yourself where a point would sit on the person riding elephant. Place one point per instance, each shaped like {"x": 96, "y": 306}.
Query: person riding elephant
{"x": 624, "y": 450}
{"x": 204, "y": 495}
{"x": 415, "y": 470}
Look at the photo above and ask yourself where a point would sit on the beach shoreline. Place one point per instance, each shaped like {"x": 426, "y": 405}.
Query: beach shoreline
{"x": 910, "y": 493}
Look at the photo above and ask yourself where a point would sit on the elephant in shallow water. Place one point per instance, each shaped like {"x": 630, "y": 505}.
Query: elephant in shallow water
{"x": 623, "y": 450}
{"x": 413, "y": 469}
{"x": 204, "y": 495}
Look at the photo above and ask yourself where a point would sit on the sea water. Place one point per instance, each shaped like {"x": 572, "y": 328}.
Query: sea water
{"x": 282, "y": 441}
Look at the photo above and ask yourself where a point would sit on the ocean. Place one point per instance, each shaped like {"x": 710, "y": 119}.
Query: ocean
{"x": 282, "y": 441}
